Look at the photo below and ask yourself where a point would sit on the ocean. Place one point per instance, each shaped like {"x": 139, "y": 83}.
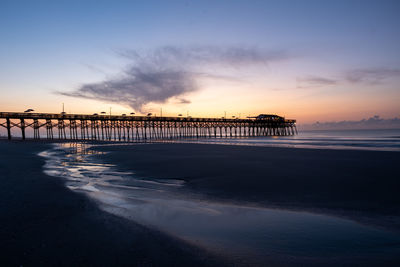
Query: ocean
{"x": 378, "y": 139}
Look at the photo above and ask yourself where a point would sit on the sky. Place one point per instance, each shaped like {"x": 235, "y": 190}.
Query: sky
{"x": 307, "y": 60}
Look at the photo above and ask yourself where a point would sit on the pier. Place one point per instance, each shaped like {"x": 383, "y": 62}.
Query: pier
{"x": 138, "y": 128}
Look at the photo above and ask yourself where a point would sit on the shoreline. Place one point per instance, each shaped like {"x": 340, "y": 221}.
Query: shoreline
{"x": 45, "y": 223}
{"x": 363, "y": 140}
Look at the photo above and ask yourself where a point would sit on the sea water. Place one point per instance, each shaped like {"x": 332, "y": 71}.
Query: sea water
{"x": 382, "y": 140}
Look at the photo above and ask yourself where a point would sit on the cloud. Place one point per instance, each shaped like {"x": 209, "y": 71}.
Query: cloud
{"x": 173, "y": 56}
{"x": 155, "y": 76}
{"x": 183, "y": 101}
{"x": 314, "y": 81}
{"x": 375, "y": 122}
{"x": 371, "y": 76}
{"x": 138, "y": 88}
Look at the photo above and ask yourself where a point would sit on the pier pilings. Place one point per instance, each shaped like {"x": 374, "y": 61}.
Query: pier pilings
{"x": 138, "y": 128}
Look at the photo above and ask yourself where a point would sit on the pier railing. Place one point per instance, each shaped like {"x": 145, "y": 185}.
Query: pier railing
{"x": 134, "y": 128}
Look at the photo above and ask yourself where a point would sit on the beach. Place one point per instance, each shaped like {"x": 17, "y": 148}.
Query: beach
{"x": 45, "y": 223}
{"x": 354, "y": 186}
{"x": 351, "y": 182}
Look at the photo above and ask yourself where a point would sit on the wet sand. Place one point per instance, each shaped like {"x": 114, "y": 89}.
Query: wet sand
{"x": 361, "y": 185}
{"x": 43, "y": 223}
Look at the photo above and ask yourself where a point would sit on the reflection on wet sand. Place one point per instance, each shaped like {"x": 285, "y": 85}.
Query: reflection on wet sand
{"x": 250, "y": 234}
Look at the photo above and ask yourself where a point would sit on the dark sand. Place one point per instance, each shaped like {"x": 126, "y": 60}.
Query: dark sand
{"x": 361, "y": 185}
{"x": 43, "y": 223}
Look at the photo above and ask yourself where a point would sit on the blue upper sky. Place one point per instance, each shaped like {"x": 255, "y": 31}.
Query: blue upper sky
{"x": 60, "y": 45}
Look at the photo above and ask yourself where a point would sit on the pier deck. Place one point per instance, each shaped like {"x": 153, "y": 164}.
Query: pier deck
{"x": 134, "y": 128}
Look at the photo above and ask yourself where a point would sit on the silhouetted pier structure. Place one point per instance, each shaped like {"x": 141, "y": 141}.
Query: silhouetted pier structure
{"x": 137, "y": 128}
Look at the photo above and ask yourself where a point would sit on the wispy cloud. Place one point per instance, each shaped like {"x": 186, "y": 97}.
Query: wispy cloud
{"x": 314, "y": 81}
{"x": 368, "y": 76}
{"x": 173, "y": 56}
{"x": 372, "y": 75}
{"x": 167, "y": 72}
